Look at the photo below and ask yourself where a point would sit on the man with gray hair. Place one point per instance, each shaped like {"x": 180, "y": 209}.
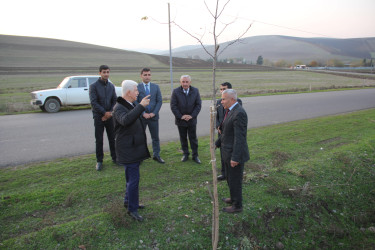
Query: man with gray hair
{"x": 131, "y": 142}
{"x": 234, "y": 148}
{"x": 185, "y": 105}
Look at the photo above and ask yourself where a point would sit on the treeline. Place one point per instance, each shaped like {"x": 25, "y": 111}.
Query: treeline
{"x": 287, "y": 64}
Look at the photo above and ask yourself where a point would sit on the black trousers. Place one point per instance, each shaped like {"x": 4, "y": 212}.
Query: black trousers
{"x": 190, "y": 132}
{"x": 99, "y": 133}
{"x": 234, "y": 179}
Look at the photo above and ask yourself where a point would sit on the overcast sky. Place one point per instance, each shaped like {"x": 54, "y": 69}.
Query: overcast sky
{"x": 117, "y": 23}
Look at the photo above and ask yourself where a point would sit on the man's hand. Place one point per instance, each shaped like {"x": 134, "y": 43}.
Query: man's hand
{"x": 186, "y": 117}
{"x": 106, "y": 116}
{"x": 233, "y": 163}
{"x": 145, "y": 101}
{"x": 148, "y": 115}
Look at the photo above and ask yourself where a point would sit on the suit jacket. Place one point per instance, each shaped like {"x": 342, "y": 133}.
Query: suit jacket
{"x": 182, "y": 104}
{"x": 220, "y": 112}
{"x": 233, "y": 139}
{"x": 155, "y": 99}
{"x": 130, "y": 136}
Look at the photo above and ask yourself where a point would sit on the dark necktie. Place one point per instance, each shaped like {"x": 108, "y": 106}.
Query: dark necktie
{"x": 226, "y": 113}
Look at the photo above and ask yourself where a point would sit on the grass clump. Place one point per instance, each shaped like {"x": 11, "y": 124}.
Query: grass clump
{"x": 309, "y": 185}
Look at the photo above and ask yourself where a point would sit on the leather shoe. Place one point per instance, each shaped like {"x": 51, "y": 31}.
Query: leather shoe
{"x": 221, "y": 178}
{"x": 227, "y": 200}
{"x": 158, "y": 159}
{"x": 140, "y": 206}
{"x": 99, "y": 166}
{"x": 184, "y": 158}
{"x": 196, "y": 159}
{"x": 135, "y": 216}
{"x": 232, "y": 210}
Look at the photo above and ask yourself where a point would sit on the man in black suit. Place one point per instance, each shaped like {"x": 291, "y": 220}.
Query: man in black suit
{"x": 150, "y": 117}
{"x": 233, "y": 143}
{"x": 131, "y": 142}
{"x": 219, "y": 119}
{"x": 185, "y": 105}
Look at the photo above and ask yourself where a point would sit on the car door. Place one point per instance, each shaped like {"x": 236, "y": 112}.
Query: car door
{"x": 77, "y": 92}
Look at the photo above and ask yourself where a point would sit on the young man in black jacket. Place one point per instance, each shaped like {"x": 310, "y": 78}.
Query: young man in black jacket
{"x": 103, "y": 98}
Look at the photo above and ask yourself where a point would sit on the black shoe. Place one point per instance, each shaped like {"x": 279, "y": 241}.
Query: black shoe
{"x": 99, "y": 166}
{"x": 184, "y": 158}
{"x": 135, "y": 216}
{"x": 221, "y": 178}
{"x": 232, "y": 210}
{"x": 158, "y": 159}
{"x": 140, "y": 206}
{"x": 196, "y": 159}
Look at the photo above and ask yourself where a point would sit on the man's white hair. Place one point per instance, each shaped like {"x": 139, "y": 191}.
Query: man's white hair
{"x": 231, "y": 93}
{"x": 128, "y": 85}
{"x": 185, "y": 76}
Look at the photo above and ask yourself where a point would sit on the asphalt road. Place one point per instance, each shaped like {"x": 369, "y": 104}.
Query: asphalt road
{"x": 38, "y": 137}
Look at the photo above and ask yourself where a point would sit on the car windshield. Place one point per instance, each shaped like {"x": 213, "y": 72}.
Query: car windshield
{"x": 63, "y": 83}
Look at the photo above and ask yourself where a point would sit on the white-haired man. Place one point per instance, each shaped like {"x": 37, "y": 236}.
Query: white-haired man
{"x": 234, "y": 148}
{"x": 131, "y": 142}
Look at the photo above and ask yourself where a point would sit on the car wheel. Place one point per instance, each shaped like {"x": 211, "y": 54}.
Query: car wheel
{"x": 42, "y": 108}
{"x": 52, "y": 105}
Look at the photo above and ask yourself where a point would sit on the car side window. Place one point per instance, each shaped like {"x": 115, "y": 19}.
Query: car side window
{"x": 92, "y": 80}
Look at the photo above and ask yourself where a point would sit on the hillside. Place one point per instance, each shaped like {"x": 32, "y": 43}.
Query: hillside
{"x": 32, "y": 52}
{"x": 276, "y": 48}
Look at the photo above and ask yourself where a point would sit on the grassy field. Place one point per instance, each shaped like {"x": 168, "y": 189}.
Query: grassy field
{"x": 15, "y": 89}
{"x": 309, "y": 185}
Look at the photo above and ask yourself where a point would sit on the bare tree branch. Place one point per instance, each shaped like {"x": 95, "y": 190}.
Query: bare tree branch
{"x": 226, "y": 25}
{"x": 196, "y": 38}
{"x": 222, "y": 9}
{"x": 208, "y": 9}
{"x": 235, "y": 41}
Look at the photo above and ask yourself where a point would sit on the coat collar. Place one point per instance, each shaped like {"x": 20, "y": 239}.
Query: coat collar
{"x": 124, "y": 102}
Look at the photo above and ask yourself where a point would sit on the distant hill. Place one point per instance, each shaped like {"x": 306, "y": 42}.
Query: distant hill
{"x": 27, "y": 52}
{"x": 290, "y": 49}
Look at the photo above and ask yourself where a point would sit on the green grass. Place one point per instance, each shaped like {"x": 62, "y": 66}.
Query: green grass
{"x": 309, "y": 185}
{"x": 15, "y": 89}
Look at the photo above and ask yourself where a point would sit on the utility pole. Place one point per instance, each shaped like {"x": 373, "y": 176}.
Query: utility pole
{"x": 170, "y": 47}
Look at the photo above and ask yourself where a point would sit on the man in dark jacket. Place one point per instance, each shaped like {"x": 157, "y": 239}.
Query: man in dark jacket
{"x": 103, "y": 98}
{"x": 219, "y": 120}
{"x": 234, "y": 148}
{"x": 185, "y": 105}
{"x": 131, "y": 142}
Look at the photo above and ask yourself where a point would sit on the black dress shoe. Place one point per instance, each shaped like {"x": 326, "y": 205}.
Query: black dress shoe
{"x": 232, "y": 210}
{"x": 158, "y": 159}
{"x": 135, "y": 216}
{"x": 227, "y": 200}
{"x": 196, "y": 159}
{"x": 99, "y": 166}
{"x": 140, "y": 206}
{"x": 221, "y": 178}
{"x": 184, "y": 158}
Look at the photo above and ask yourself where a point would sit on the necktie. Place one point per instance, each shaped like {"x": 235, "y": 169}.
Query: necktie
{"x": 147, "y": 89}
{"x": 186, "y": 92}
{"x": 226, "y": 113}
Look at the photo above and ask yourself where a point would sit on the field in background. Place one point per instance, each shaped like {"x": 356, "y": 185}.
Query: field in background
{"x": 15, "y": 88}
{"x": 308, "y": 185}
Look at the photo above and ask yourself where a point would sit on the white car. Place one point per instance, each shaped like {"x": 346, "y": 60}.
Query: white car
{"x": 73, "y": 90}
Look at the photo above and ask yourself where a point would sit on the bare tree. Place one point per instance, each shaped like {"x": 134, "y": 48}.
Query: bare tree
{"x": 214, "y": 55}
{"x": 216, "y": 14}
